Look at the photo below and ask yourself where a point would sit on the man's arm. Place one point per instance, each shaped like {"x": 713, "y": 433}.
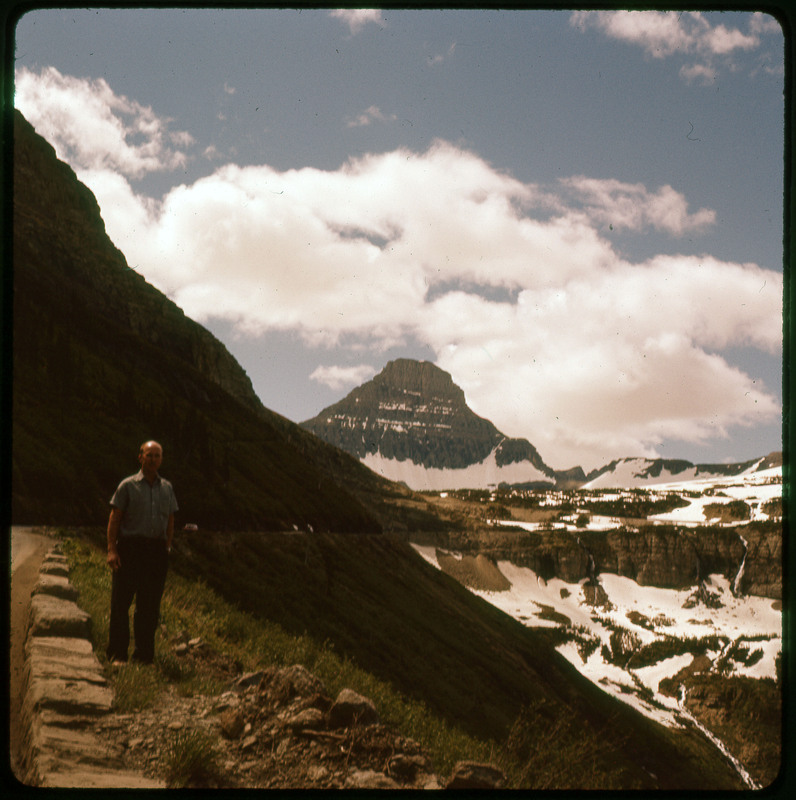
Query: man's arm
{"x": 114, "y": 523}
{"x": 169, "y": 532}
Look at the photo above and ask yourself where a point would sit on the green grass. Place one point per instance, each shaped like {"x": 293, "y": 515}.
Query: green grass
{"x": 191, "y": 760}
{"x": 193, "y": 607}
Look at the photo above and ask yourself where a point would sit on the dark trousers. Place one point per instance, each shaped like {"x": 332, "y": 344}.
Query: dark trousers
{"x": 142, "y": 575}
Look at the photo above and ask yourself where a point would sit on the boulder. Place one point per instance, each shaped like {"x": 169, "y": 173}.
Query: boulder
{"x": 473, "y": 775}
{"x": 294, "y": 681}
{"x": 232, "y": 723}
{"x": 308, "y": 719}
{"x": 368, "y": 779}
{"x": 250, "y": 679}
{"x": 407, "y": 767}
{"x": 350, "y": 709}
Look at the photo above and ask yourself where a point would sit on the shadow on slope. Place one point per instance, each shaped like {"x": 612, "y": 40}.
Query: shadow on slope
{"x": 397, "y": 617}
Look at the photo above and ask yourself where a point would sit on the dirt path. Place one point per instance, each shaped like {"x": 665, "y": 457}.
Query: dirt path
{"x": 28, "y": 548}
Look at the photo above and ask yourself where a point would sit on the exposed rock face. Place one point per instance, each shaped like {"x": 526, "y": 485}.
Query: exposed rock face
{"x": 664, "y": 556}
{"x": 762, "y": 572}
{"x": 412, "y": 411}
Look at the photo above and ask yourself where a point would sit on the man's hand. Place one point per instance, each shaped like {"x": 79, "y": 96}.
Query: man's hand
{"x": 114, "y": 523}
{"x": 114, "y": 562}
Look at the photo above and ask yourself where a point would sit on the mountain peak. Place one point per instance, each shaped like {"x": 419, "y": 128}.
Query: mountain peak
{"x": 424, "y": 377}
{"x": 411, "y": 423}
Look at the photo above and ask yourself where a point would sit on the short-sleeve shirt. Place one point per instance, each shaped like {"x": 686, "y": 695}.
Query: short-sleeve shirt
{"x": 145, "y": 509}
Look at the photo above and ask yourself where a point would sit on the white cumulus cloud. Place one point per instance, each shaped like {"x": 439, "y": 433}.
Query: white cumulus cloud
{"x": 338, "y": 378}
{"x": 358, "y": 18}
{"x": 634, "y": 207}
{"x": 550, "y": 332}
{"x": 94, "y": 128}
{"x": 662, "y": 34}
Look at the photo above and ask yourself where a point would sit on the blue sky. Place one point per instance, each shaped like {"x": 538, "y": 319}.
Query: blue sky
{"x": 576, "y": 214}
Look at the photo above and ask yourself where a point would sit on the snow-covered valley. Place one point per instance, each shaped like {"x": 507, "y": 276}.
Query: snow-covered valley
{"x": 636, "y": 642}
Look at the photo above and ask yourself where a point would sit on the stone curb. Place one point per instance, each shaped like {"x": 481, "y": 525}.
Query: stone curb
{"x": 64, "y": 691}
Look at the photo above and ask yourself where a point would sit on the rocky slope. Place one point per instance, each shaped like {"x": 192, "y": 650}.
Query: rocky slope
{"x": 278, "y": 729}
{"x": 61, "y": 246}
{"x": 411, "y": 423}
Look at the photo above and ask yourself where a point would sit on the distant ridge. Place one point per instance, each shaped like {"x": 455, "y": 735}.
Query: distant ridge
{"x": 640, "y": 472}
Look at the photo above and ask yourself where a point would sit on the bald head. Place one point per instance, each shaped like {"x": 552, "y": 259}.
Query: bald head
{"x": 150, "y": 457}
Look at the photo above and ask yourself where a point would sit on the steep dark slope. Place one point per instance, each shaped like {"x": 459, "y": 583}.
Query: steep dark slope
{"x": 102, "y": 361}
{"x": 381, "y": 605}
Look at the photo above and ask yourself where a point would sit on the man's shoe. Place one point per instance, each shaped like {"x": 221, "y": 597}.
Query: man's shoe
{"x": 117, "y": 663}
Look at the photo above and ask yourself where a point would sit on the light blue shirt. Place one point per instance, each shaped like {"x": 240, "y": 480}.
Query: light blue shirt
{"x": 145, "y": 509}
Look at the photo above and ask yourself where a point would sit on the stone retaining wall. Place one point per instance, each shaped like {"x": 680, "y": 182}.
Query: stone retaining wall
{"x": 65, "y": 692}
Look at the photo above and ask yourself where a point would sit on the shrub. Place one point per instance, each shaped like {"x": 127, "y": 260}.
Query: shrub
{"x": 530, "y": 763}
{"x": 191, "y": 760}
{"x": 136, "y": 686}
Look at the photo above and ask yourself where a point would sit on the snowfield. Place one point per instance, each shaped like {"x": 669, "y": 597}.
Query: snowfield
{"x": 630, "y": 473}
{"x": 740, "y": 618}
{"x": 421, "y": 479}
{"x": 746, "y": 631}
{"x": 756, "y": 489}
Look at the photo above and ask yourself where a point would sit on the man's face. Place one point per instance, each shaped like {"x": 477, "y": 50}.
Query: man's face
{"x": 150, "y": 458}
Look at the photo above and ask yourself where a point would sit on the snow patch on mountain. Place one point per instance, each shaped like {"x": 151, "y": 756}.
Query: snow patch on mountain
{"x": 755, "y": 620}
{"x": 632, "y": 473}
{"x": 485, "y": 474}
{"x": 755, "y": 488}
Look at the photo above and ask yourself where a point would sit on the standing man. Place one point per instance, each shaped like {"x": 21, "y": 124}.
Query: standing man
{"x": 140, "y": 530}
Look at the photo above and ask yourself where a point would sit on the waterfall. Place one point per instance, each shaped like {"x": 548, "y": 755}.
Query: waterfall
{"x": 743, "y": 774}
{"x": 736, "y": 584}
{"x": 591, "y": 568}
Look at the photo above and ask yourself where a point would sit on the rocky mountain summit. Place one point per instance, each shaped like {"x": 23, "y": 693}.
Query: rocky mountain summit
{"x": 411, "y": 423}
